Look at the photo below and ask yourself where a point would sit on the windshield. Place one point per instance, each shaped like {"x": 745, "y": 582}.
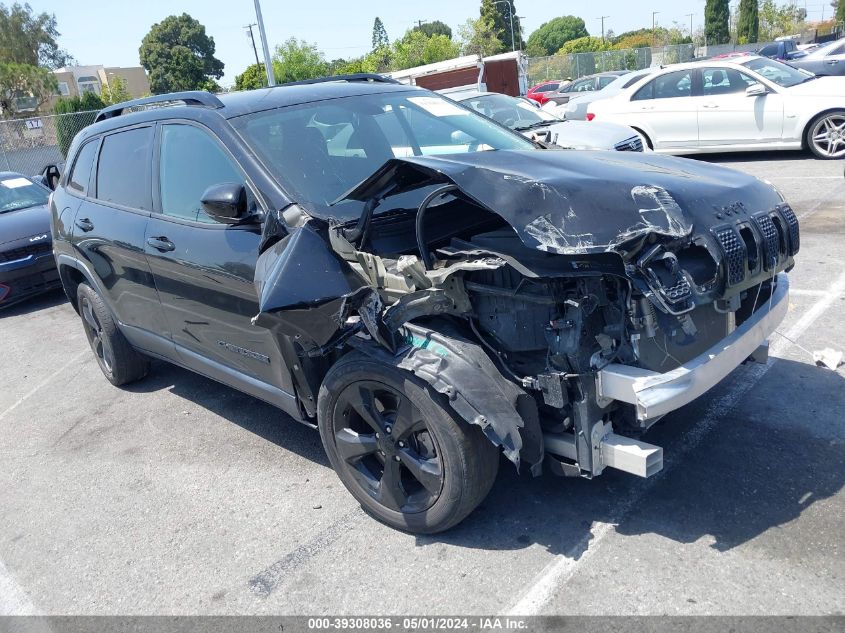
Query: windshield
{"x": 513, "y": 112}
{"x": 321, "y": 150}
{"x": 777, "y": 72}
{"x": 19, "y": 192}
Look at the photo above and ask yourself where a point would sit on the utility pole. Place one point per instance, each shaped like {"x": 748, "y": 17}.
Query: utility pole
{"x": 602, "y": 18}
{"x": 653, "y": 28}
{"x": 251, "y": 37}
{"x": 690, "y": 15}
{"x": 420, "y": 23}
{"x": 268, "y": 63}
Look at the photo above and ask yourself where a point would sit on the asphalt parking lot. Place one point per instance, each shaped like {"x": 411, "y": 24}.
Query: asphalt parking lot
{"x": 181, "y": 496}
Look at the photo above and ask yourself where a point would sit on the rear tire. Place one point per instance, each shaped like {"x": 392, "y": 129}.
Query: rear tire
{"x": 825, "y": 136}
{"x": 118, "y": 360}
{"x": 399, "y": 449}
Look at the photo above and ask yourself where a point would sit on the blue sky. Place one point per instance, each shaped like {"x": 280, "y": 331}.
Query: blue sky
{"x": 109, "y": 33}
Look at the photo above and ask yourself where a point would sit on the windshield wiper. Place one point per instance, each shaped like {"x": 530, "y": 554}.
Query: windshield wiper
{"x": 536, "y": 124}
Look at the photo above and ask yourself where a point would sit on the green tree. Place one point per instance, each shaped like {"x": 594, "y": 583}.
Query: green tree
{"x": 23, "y": 81}
{"x": 379, "y": 34}
{"x": 552, "y": 35}
{"x": 253, "y": 77}
{"x": 717, "y": 21}
{"x": 779, "y": 20}
{"x": 587, "y": 44}
{"x": 478, "y": 37}
{"x": 748, "y": 24}
{"x": 296, "y": 60}
{"x": 416, "y": 49}
{"x": 434, "y": 28}
{"x": 79, "y": 113}
{"x": 115, "y": 91}
{"x": 500, "y": 14}
{"x": 840, "y": 11}
{"x": 27, "y": 38}
{"x": 179, "y": 55}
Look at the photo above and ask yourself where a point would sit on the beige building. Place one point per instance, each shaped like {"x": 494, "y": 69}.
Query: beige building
{"x": 74, "y": 81}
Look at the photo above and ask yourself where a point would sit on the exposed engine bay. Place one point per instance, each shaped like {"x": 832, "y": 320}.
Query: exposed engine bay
{"x": 511, "y": 282}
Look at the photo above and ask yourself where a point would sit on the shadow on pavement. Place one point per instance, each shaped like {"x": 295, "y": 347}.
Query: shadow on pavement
{"x": 760, "y": 467}
{"x": 49, "y": 299}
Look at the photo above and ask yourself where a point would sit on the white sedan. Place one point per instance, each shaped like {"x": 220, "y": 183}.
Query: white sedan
{"x": 752, "y": 103}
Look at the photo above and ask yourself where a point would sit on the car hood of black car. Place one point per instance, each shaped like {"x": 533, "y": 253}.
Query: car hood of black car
{"x": 24, "y": 223}
{"x": 582, "y": 202}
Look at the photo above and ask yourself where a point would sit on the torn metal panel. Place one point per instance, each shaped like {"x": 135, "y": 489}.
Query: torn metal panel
{"x": 305, "y": 290}
{"x": 477, "y": 392}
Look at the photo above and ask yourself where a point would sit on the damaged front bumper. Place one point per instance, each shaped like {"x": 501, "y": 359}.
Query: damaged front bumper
{"x": 655, "y": 394}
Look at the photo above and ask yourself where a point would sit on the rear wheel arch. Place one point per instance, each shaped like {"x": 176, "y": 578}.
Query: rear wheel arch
{"x": 71, "y": 278}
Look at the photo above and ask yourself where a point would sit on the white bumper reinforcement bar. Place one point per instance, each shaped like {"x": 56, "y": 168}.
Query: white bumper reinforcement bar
{"x": 656, "y": 394}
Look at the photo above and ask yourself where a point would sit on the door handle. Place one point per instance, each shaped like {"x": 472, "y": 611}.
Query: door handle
{"x": 85, "y": 224}
{"x": 831, "y": 62}
{"x": 161, "y": 244}
{"x": 710, "y": 105}
{"x": 647, "y": 108}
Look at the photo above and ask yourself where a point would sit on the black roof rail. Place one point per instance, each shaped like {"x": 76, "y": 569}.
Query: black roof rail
{"x": 189, "y": 97}
{"x": 376, "y": 78}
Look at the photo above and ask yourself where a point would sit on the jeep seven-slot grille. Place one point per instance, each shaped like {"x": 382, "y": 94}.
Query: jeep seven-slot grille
{"x": 735, "y": 253}
{"x": 770, "y": 239}
{"x": 792, "y": 227}
{"x": 25, "y": 251}
{"x": 633, "y": 144}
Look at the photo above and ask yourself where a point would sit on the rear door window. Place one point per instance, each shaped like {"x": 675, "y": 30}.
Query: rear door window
{"x": 547, "y": 88}
{"x": 123, "y": 171}
{"x": 669, "y": 86}
{"x": 80, "y": 177}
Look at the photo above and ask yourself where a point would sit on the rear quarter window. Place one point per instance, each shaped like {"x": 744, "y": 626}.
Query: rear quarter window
{"x": 123, "y": 171}
{"x": 80, "y": 175}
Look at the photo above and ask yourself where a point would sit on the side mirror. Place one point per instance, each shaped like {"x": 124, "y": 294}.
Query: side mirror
{"x": 50, "y": 176}
{"x": 225, "y": 202}
{"x": 756, "y": 90}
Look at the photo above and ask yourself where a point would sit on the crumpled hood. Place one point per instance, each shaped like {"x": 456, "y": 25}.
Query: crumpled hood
{"x": 583, "y": 202}
{"x": 24, "y": 223}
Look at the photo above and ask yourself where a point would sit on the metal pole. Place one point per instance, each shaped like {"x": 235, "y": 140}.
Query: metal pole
{"x": 602, "y": 18}
{"x": 690, "y": 15}
{"x": 268, "y": 63}
{"x": 251, "y": 37}
{"x": 653, "y": 28}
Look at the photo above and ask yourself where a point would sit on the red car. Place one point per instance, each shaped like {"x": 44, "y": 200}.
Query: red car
{"x": 538, "y": 93}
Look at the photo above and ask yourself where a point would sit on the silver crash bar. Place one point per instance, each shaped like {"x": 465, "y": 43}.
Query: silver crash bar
{"x": 657, "y": 394}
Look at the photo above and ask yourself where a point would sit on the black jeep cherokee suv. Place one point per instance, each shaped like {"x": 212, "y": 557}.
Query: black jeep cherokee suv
{"x": 425, "y": 286}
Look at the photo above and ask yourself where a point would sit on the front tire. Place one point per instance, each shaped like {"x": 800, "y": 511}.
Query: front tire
{"x": 826, "y": 135}
{"x": 398, "y": 448}
{"x": 119, "y": 362}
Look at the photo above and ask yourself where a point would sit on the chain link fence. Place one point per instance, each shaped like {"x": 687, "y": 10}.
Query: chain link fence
{"x": 581, "y": 64}
{"x": 27, "y": 145}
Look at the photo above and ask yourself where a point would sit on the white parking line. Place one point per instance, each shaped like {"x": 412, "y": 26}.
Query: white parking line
{"x": 43, "y": 383}
{"x": 560, "y": 570}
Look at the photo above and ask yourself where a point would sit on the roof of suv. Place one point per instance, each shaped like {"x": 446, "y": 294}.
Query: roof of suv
{"x": 245, "y": 102}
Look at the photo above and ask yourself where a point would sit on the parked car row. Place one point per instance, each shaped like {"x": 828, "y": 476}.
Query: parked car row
{"x": 738, "y": 103}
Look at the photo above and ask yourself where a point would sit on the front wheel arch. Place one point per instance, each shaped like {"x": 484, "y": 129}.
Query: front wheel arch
{"x": 645, "y": 136}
